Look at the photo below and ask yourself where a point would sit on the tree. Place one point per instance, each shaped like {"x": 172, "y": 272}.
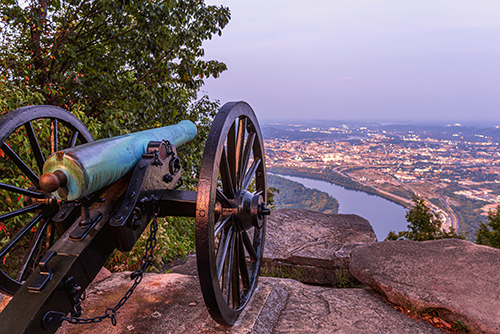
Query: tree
{"x": 129, "y": 64}
{"x": 423, "y": 225}
{"x": 489, "y": 234}
{"x": 118, "y": 65}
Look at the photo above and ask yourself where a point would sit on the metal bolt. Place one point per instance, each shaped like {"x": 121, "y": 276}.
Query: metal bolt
{"x": 263, "y": 210}
{"x": 167, "y": 178}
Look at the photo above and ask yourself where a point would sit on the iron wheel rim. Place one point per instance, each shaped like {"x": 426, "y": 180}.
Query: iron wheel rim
{"x": 223, "y": 304}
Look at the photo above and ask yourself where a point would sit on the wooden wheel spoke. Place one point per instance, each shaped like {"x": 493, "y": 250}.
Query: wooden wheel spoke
{"x": 222, "y": 253}
{"x": 236, "y": 277}
{"x": 249, "y": 246}
{"x": 250, "y": 174}
{"x": 35, "y": 146}
{"x": 240, "y": 141}
{"x": 223, "y": 224}
{"x": 28, "y": 257}
{"x": 74, "y": 137}
{"x": 53, "y": 136}
{"x": 225, "y": 174}
{"x": 19, "y": 235}
{"x": 229, "y": 279}
{"x": 242, "y": 264}
{"x": 19, "y": 163}
{"x": 231, "y": 154}
{"x": 223, "y": 199}
{"x": 246, "y": 154}
{"x": 20, "y": 211}
{"x": 21, "y": 191}
{"x": 257, "y": 193}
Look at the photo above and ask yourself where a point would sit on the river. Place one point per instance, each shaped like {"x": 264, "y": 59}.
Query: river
{"x": 383, "y": 215}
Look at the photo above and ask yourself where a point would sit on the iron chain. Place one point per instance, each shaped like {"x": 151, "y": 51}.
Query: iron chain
{"x": 137, "y": 275}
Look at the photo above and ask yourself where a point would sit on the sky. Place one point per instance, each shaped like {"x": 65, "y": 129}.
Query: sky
{"x": 407, "y": 60}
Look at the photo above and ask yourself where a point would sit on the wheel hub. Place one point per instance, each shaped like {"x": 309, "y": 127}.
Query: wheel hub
{"x": 250, "y": 209}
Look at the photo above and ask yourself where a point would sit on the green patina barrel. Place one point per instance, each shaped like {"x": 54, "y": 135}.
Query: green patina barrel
{"x": 95, "y": 165}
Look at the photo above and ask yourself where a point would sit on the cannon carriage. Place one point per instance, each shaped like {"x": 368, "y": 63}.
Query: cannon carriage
{"x": 76, "y": 200}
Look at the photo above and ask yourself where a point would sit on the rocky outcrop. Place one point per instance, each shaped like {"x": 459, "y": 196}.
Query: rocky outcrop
{"x": 311, "y": 246}
{"x": 458, "y": 279}
{"x": 172, "y": 303}
{"x": 316, "y": 309}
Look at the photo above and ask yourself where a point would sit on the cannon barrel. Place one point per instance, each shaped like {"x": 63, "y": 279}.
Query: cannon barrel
{"x": 79, "y": 171}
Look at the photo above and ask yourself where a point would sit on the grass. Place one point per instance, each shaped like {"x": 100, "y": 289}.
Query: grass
{"x": 343, "y": 281}
{"x": 270, "y": 270}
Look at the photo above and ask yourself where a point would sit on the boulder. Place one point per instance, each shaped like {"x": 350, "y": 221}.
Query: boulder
{"x": 310, "y": 246}
{"x": 188, "y": 266}
{"x": 458, "y": 279}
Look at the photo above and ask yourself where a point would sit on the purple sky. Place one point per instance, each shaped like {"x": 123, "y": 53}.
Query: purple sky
{"x": 414, "y": 60}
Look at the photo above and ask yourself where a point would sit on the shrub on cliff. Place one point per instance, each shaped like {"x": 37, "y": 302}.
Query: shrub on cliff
{"x": 489, "y": 234}
{"x": 423, "y": 225}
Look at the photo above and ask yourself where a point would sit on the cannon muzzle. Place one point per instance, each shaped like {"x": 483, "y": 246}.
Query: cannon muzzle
{"x": 76, "y": 172}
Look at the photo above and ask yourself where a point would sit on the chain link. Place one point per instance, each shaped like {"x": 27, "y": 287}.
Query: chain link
{"x": 137, "y": 275}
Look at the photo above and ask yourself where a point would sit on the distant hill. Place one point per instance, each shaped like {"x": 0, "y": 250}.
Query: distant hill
{"x": 294, "y": 195}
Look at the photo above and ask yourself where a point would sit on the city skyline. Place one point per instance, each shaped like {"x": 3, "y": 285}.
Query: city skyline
{"x": 370, "y": 60}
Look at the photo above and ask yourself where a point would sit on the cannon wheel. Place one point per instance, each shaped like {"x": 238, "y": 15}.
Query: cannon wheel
{"x": 230, "y": 212}
{"x": 28, "y": 136}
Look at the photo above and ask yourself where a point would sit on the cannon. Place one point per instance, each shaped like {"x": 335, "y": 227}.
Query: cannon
{"x": 72, "y": 201}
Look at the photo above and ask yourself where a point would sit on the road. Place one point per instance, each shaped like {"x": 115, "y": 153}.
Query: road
{"x": 454, "y": 218}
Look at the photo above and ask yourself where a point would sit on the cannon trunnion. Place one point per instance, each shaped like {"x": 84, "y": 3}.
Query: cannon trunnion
{"x": 65, "y": 223}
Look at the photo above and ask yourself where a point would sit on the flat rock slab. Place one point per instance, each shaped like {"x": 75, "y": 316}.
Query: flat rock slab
{"x": 172, "y": 303}
{"x": 312, "y": 246}
{"x": 459, "y": 279}
{"x": 315, "y": 309}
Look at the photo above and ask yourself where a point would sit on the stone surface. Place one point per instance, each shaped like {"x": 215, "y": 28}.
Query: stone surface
{"x": 188, "y": 267}
{"x": 457, "y": 278}
{"x": 313, "y": 245}
{"x": 315, "y": 309}
{"x": 172, "y": 303}
{"x": 103, "y": 274}
{"x": 4, "y": 300}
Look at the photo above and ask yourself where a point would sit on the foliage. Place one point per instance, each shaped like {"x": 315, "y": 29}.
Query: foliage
{"x": 343, "y": 281}
{"x": 489, "y": 234}
{"x": 119, "y": 66}
{"x": 131, "y": 65}
{"x": 294, "y": 195}
{"x": 460, "y": 326}
{"x": 175, "y": 239}
{"x": 15, "y": 96}
{"x": 271, "y": 193}
{"x": 423, "y": 225}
